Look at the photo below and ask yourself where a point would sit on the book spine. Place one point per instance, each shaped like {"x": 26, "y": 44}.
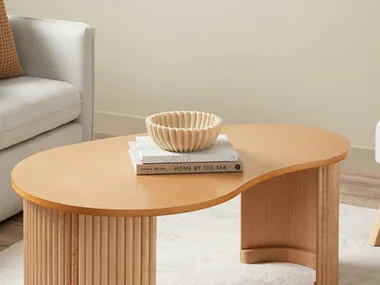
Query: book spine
{"x": 182, "y": 168}
{"x": 165, "y": 159}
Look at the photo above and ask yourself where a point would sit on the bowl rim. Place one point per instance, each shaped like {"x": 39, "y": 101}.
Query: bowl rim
{"x": 148, "y": 120}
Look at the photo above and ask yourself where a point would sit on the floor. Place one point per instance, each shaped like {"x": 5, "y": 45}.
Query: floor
{"x": 11, "y": 231}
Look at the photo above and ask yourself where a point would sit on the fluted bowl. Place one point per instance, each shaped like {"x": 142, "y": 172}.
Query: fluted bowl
{"x": 183, "y": 131}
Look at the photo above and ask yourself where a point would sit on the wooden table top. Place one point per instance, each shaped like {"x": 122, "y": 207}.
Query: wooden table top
{"x": 97, "y": 178}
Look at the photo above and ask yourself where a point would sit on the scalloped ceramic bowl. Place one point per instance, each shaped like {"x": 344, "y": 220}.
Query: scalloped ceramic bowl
{"x": 183, "y": 131}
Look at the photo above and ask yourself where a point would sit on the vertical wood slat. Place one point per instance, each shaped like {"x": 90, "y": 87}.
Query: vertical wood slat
{"x": 89, "y": 250}
{"x": 67, "y": 245}
{"x": 82, "y": 249}
{"x": 55, "y": 246}
{"x": 120, "y": 251}
{"x": 61, "y": 248}
{"x": 27, "y": 243}
{"x": 44, "y": 244}
{"x": 97, "y": 250}
{"x": 49, "y": 238}
{"x": 137, "y": 251}
{"x": 129, "y": 251}
{"x": 145, "y": 251}
{"x": 35, "y": 240}
{"x": 69, "y": 249}
{"x": 152, "y": 250}
{"x": 74, "y": 249}
{"x": 112, "y": 256}
{"x": 39, "y": 241}
{"x": 104, "y": 250}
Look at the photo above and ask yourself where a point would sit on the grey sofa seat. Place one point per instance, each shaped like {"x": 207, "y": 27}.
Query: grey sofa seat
{"x": 30, "y": 106}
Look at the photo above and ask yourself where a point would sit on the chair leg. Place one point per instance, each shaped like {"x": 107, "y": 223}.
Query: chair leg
{"x": 374, "y": 239}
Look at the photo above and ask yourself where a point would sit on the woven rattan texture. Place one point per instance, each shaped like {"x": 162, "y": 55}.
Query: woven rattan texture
{"x": 9, "y": 61}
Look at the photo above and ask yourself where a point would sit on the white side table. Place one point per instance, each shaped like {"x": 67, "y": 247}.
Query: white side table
{"x": 374, "y": 239}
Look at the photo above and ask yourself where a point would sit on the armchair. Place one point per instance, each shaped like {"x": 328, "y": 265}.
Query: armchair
{"x": 52, "y": 103}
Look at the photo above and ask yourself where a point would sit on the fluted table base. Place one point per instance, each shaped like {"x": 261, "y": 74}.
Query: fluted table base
{"x": 63, "y": 248}
{"x": 290, "y": 218}
{"x": 294, "y": 218}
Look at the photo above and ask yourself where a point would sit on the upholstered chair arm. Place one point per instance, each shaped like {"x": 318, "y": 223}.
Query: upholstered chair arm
{"x": 59, "y": 50}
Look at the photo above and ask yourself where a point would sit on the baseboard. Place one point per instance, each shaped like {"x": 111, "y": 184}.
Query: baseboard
{"x": 116, "y": 124}
{"x": 361, "y": 190}
{"x": 362, "y": 161}
{"x": 360, "y": 179}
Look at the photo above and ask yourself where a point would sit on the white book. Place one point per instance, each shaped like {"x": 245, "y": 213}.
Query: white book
{"x": 180, "y": 168}
{"x": 220, "y": 150}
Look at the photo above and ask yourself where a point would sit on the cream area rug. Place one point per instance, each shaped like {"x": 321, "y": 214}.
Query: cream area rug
{"x": 202, "y": 248}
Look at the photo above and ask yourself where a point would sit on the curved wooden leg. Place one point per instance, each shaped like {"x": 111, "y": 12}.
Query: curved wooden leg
{"x": 65, "y": 248}
{"x": 278, "y": 219}
{"x": 294, "y": 218}
{"x": 374, "y": 239}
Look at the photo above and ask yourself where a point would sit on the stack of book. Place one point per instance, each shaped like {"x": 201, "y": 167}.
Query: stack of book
{"x": 148, "y": 158}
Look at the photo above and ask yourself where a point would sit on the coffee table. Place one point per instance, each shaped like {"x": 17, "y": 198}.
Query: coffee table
{"x": 90, "y": 220}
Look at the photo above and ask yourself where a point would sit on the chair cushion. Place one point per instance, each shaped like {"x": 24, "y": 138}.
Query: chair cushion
{"x": 30, "y": 106}
{"x": 9, "y": 61}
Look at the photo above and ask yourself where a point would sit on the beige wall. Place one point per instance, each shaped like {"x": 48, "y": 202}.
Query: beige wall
{"x": 295, "y": 61}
